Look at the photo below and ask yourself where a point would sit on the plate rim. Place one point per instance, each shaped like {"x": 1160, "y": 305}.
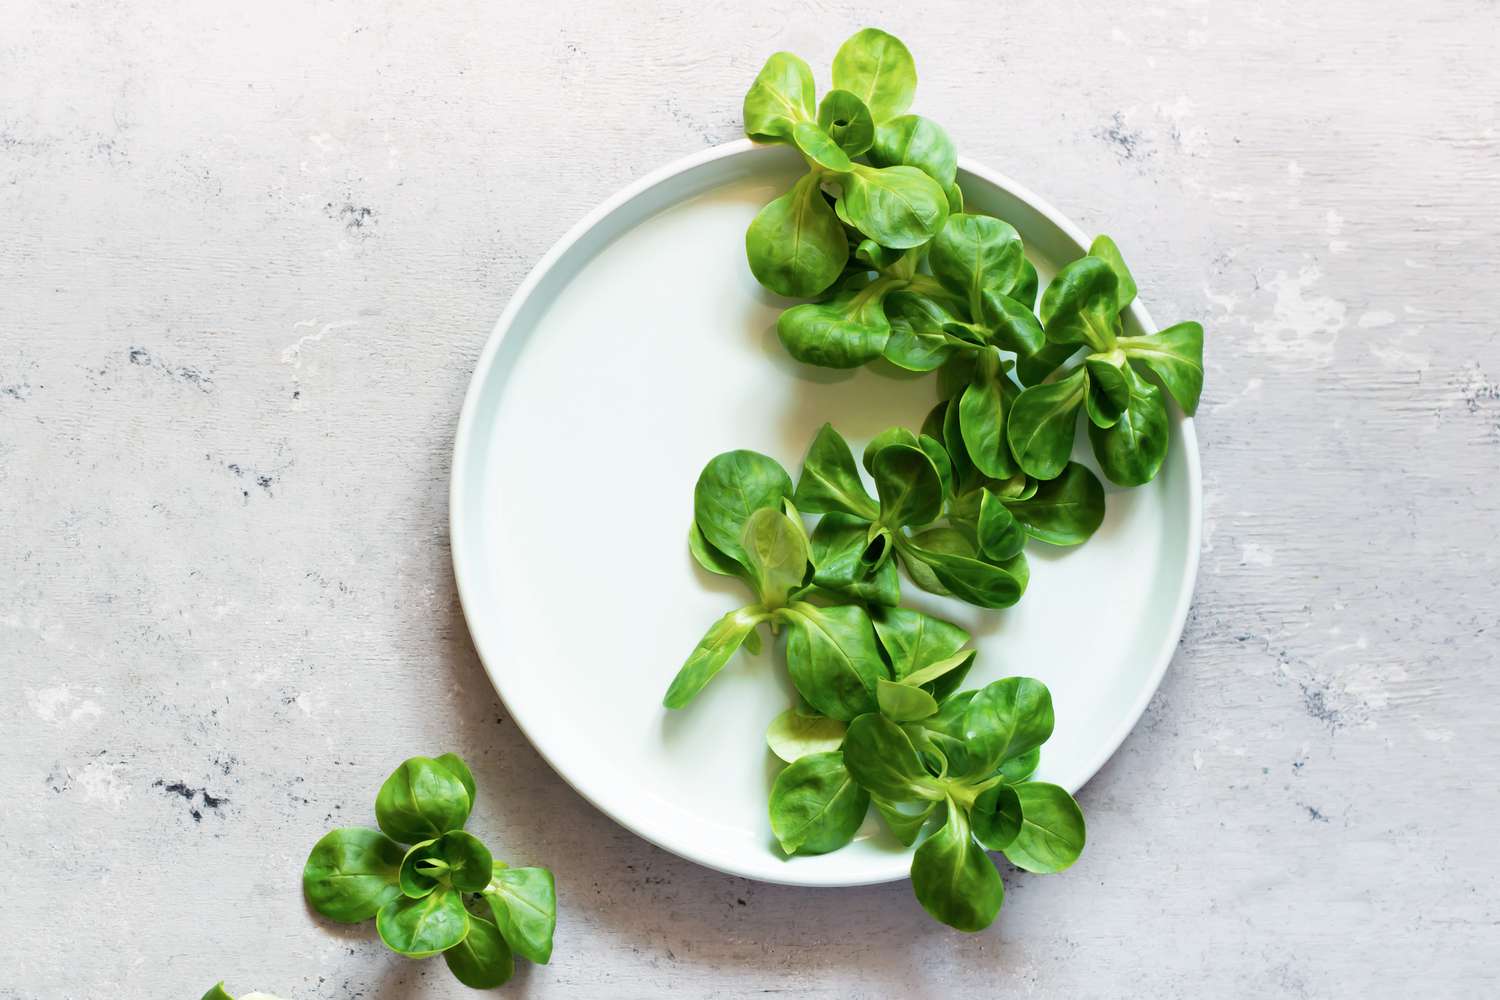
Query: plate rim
{"x": 458, "y": 486}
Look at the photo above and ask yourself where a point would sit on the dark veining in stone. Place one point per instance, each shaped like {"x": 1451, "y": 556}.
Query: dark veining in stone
{"x": 1128, "y": 143}
{"x": 197, "y": 799}
{"x": 358, "y": 220}
{"x": 1315, "y": 700}
{"x": 143, "y": 358}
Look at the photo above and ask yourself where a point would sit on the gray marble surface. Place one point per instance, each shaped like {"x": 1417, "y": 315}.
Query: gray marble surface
{"x": 249, "y": 254}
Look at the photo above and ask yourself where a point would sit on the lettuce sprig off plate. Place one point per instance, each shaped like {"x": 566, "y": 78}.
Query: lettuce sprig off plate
{"x": 432, "y": 887}
{"x": 218, "y": 992}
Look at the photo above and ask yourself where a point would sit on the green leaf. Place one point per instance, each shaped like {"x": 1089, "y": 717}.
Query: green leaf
{"x": 878, "y": 69}
{"x": 959, "y": 569}
{"x": 904, "y": 819}
{"x": 816, "y": 806}
{"x": 846, "y": 331}
{"x": 1022, "y": 487}
{"x": 956, "y": 375}
{"x": 878, "y": 541}
{"x": 796, "y": 245}
{"x": 913, "y": 641}
{"x": 421, "y": 927}
{"x": 414, "y": 882}
{"x": 944, "y": 676}
{"x": 420, "y": 800}
{"x": 1042, "y": 424}
{"x": 1025, "y": 289}
{"x": 709, "y": 557}
{"x": 1009, "y": 325}
{"x": 955, "y": 762}
{"x": 882, "y": 759}
{"x": 878, "y": 257}
{"x": 733, "y": 486}
{"x": 830, "y": 481}
{"x": 1009, "y": 718}
{"x": 1019, "y": 769}
{"x": 881, "y": 441}
{"x": 1131, "y": 452}
{"x": 456, "y": 859}
{"x": 1079, "y": 306}
{"x": 839, "y": 543}
{"x": 820, "y": 148}
{"x": 780, "y": 97}
{"x": 933, "y": 449}
{"x": 917, "y": 342}
{"x": 217, "y": 993}
{"x": 793, "y": 735}
{"x": 351, "y": 873}
{"x": 455, "y": 763}
{"x": 1065, "y": 510}
{"x": 897, "y": 207}
{"x": 982, "y": 419}
{"x": 789, "y": 508}
{"x": 1104, "y": 248}
{"x": 950, "y": 718}
{"x": 911, "y": 351}
{"x": 964, "y": 471}
{"x": 1000, "y": 535}
{"x": 844, "y": 117}
{"x": 524, "y": 902}
{"x": 712, "y": 652}
{"x": 914, "y": 141}
{"x": 469, "y": 861}
{"x": 953, "y": 879}
{"x": 776, "y": 555}
{"x": 996, "y": 817}
{"x": 910, "y": 489}
{"x": 922, "y": 575}
{"x": 955, "y": 197}
{"x": 1108, "y": 389}
{"x": 904, "y": 703}
{"x": 1176, "y": 356}
{"x": 1052, "y": 831}
{"x": 482, "y": 960}
{"x": 832, "y": 658}
{"x": 974, "y": 254}
{"x": 1034, "y": 368}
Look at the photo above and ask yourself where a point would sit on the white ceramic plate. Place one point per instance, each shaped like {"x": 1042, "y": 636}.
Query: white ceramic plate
{"x": 637, "y": 349}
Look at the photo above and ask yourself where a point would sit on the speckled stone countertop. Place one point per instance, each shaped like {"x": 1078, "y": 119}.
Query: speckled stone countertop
{"x": 249, "y": 254}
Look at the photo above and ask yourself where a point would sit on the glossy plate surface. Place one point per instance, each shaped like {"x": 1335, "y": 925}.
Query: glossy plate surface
{"x": 640, "y": 347}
